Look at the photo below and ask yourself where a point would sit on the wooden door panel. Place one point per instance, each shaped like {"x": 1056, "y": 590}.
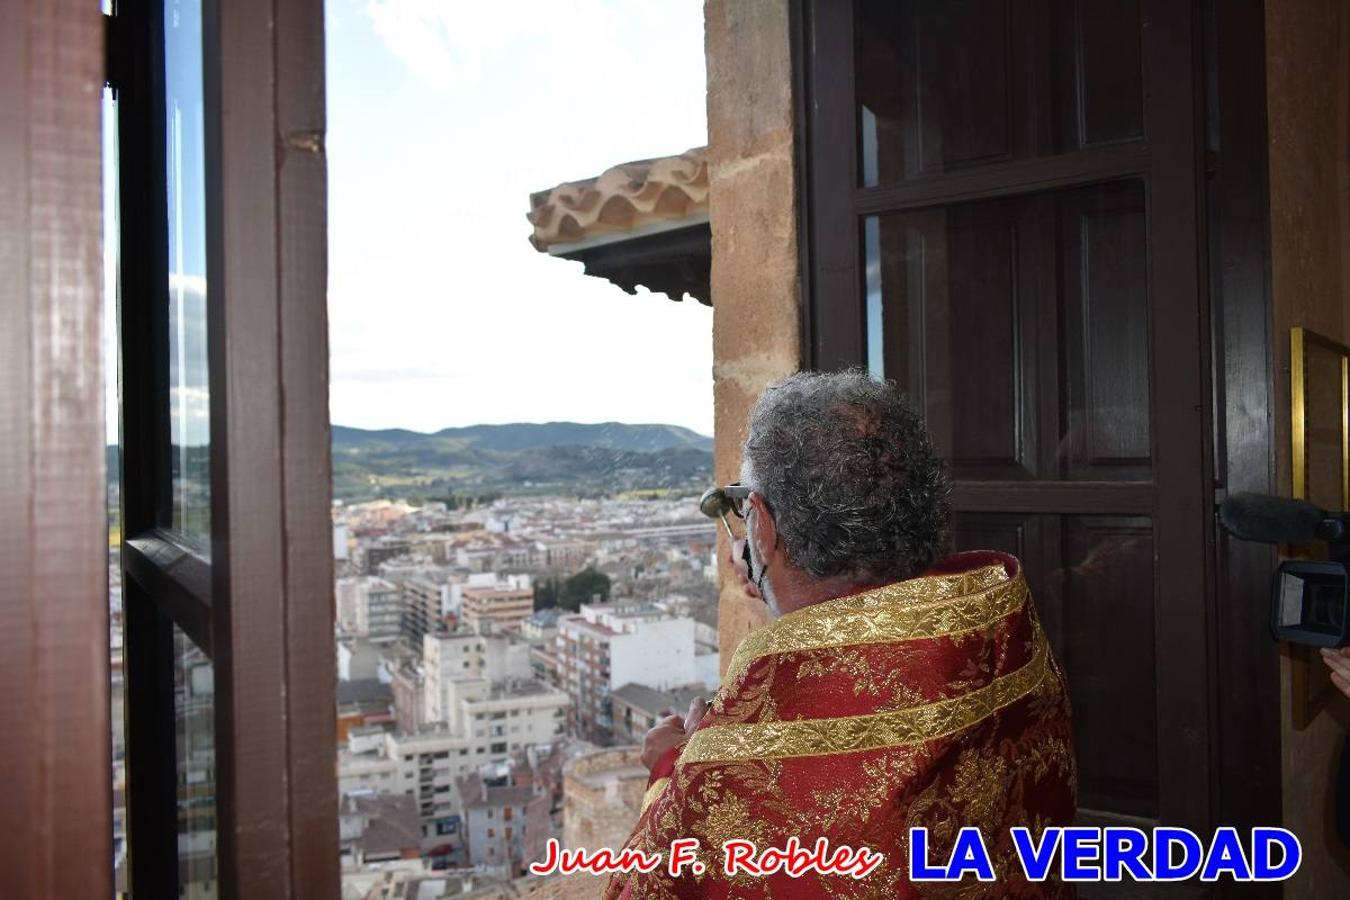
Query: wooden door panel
{"x": 1104, "y": 592}
{"x": 1105, "y": 434}
{"x": 1092, "y": 579}
{"x": 1101, "y": 75}
{"x": 955, "y": 324}
{"x": 1020, "y": 327}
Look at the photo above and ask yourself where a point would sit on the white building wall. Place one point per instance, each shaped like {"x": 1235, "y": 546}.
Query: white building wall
{"x": 504, "y": 659}
{"x": 351, "y": 601}
{"x": 706, "y": 670}
{"x": 658, "y": 654}
{"x": 445, "y": 659}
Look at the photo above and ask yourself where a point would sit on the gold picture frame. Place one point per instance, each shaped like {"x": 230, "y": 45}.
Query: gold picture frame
{"x": 1310, "y": 401}
{"x": 1319, "y": 383}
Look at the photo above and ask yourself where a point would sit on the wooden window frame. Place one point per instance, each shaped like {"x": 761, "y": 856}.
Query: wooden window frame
{"x": 261, "y": 605}
{"x": 55, "y": 748}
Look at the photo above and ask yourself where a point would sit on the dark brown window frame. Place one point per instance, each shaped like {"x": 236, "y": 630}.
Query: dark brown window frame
{"x": 261, "y": 606}
{"x": 55, "y": 749}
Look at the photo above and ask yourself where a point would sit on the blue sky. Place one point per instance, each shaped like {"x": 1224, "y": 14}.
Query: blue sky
{"x": 443, "y": 117}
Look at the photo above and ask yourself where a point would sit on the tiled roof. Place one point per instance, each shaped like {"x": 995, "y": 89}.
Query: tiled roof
{"x": 640, "y": 196}
{"x": 392, "y": 823}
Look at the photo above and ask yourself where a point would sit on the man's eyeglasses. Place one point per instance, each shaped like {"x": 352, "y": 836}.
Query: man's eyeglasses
{"x": 716, "y": 502}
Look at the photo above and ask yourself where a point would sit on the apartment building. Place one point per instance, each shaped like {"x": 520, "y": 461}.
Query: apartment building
{"x": 421, "y": 608}
{"x": 487, "y": 723}
{"x": 508, "y": 602}
{"x": 606, "y": 646}
{"x": 496, "y": 819}
{"x": 469, "y": 654}
{"x": 379, "y": 610}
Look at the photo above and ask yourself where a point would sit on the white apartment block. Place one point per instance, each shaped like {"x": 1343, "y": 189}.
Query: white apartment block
{"x": 469, "y": 654}
{"x": 350, "y": 593}
{"x": 487, "y": 724}
{"x": 379, "y": 609}
{"x": 606, "y": 646}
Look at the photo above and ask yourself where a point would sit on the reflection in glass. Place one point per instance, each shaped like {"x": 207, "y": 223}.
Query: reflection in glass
{"x": 111, "y": 226}
{"x": 944, "y": 85}
{"x": 189, "y": 407}
{"x": 876, "y": 361}
{"x": 194, "y": 712}
{"x": 1020, "y": 328}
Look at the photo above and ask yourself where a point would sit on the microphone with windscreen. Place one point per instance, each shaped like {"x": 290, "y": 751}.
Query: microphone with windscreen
{"x": 1310, "y": 601}
{"x": 1279, "y": 520}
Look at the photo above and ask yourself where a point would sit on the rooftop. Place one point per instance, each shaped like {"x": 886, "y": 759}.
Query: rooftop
{"x": 392, "y": 822}
{"x": 362, "y": 691}
{"x": 655, "y": 702}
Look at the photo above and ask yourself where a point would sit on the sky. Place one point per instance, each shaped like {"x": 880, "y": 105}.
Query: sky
{"x": 443, "y": 117}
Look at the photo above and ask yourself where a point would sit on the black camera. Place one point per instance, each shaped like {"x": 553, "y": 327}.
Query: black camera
{"x": 1310, "y": 601}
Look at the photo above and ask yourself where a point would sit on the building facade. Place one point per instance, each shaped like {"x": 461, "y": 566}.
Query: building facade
{"x": 606, "y": 646}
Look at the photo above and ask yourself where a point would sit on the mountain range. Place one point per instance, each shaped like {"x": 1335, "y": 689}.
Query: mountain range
{"x": 534, "y": 458}
{"x": 549, "y": 457}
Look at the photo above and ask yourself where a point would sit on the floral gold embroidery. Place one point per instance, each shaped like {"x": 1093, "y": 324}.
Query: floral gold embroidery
{"x": 908, "y": 610}
{"x": 653, "y": 791}
{"x": 847, "y": 734}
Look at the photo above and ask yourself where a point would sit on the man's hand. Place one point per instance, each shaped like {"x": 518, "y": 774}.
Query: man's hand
{"x": 667, "y": 733}
{"x": 1339, "y": 663}
{"x": 670, "y": 732}
{"x": 742, "y": 570}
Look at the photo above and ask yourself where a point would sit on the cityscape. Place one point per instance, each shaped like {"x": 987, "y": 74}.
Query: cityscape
{"x": 500, "y": 655}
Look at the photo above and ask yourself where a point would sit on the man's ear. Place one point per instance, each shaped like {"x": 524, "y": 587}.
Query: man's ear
{"x": 765, "y": 533}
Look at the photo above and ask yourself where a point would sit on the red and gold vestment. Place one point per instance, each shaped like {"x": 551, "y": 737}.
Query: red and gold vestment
{"x": 933, "y": 702}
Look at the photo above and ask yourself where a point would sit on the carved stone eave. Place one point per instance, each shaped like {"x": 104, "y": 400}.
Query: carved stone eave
{"x": 639, "y": 223}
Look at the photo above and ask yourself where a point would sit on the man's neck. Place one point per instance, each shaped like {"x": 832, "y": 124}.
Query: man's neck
{"x": 800, "y": 592}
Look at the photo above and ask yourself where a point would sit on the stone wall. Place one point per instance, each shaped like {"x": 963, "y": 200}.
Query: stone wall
{"x": 602, "y": 796}
{"x": 1308, "y": 75}
{"x": 752, "y": 207}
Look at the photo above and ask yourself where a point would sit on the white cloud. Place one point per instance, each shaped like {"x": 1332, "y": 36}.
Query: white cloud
{"x": 449, "y": 44}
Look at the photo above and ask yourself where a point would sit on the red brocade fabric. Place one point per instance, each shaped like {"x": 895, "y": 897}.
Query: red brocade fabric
{"x": 933, "y": 702}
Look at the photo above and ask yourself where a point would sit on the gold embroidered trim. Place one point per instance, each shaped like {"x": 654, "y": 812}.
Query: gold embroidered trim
{"x": 931, "y": 607}
{"x": 653, "y": 791}
{"x": 849, "y": 734}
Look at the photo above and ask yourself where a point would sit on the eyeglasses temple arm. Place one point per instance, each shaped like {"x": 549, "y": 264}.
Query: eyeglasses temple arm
{"x": 727, "y": 525}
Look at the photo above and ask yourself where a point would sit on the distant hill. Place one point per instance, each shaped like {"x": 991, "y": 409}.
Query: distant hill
{"x": 552, "y": 457}
{"x": 522, "y": 458}
{"x": 528, "y": 436}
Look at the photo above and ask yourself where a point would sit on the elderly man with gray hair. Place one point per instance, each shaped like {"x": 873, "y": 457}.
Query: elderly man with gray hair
{"x": 897, "y": 687}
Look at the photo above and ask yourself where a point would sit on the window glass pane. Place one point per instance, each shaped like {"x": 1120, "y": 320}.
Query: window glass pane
{"x": 189, "y": 396}
{"x": 194, "y": 718}
{"x": 1020, "y": 328}
{"x": 113, "y": 451}
{"x": 949, "y": 84}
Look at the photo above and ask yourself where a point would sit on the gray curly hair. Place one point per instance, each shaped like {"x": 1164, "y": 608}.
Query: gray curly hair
{"x": 848, "y": 469}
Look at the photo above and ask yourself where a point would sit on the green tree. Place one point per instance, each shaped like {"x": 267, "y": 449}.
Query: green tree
{"x": 583, "y": 587}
